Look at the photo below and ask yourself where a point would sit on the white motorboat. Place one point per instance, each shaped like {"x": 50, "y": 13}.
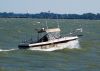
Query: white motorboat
{"x": 50, "y": 40}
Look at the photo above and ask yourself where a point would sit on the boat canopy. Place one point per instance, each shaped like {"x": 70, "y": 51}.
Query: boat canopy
{"x": 53, "y": 30}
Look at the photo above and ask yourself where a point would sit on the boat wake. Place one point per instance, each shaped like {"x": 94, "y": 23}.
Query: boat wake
{"x": 5, "y": 50}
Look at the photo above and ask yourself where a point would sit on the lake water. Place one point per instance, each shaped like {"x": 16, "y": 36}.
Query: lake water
{"x": 13, "y": 31}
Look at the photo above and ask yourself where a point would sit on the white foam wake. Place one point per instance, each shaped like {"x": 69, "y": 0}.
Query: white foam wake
{"x": 2, "y": 50}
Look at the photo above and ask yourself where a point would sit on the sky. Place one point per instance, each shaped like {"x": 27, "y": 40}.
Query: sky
{"x": 55, "y": 6}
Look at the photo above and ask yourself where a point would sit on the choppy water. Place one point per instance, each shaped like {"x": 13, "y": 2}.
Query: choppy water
{"x": 12, "y": 31}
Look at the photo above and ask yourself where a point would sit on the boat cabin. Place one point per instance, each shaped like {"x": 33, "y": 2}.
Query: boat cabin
{"x": 48, "y": 34}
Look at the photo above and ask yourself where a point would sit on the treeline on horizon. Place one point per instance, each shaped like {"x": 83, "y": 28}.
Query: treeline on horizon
{"x": 46, "y": 15}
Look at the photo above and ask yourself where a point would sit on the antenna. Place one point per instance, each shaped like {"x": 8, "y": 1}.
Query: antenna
{"x": 47, "y": 21}
{"x": 57, "y": 21}
{"x": 46, "y": 24}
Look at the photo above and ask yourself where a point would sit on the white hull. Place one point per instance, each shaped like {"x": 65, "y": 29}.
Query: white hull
{"x": 57, "y": 44}
{"x": 60, "y": 46}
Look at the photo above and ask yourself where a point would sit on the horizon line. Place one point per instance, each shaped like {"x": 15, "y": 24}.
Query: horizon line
{"x": 46, "y": 12}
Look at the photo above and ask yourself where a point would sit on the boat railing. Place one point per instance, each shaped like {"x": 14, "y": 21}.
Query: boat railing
{"x": 29, "y": 41}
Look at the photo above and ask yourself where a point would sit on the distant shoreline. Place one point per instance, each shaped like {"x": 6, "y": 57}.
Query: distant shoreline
{"x": 48, "y": 15}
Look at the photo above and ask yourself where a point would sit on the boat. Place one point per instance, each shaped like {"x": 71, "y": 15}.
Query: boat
{"x": 49, "y": 39}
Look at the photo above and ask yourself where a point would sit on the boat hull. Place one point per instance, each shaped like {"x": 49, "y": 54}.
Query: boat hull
{"x": 67, "y": 42}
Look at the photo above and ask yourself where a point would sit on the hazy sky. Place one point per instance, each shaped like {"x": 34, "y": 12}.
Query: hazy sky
{"x": 56, "y": 6}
